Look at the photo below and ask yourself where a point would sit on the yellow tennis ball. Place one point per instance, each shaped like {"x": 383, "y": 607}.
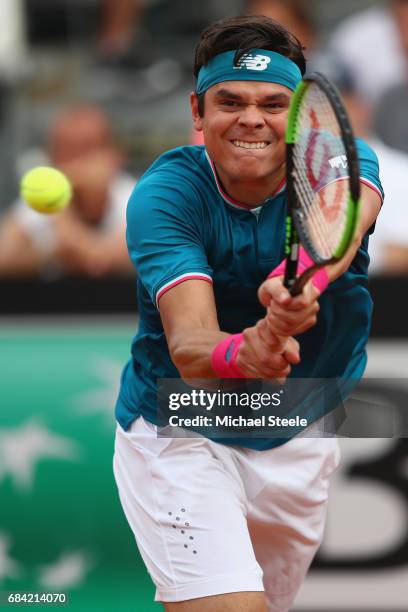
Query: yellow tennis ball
{"x": 46, "y": 190}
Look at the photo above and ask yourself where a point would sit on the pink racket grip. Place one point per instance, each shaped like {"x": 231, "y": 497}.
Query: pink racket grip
{"x": 224, "y": 355}
{"x": 320, "y": 278}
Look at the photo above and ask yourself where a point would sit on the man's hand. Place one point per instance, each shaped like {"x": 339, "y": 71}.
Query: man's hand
{"x": 190, "y": 322}
{"x": 264, "y": 355}
{"x": 86, "y": 251}
{"x": 77, "y": 246}
{"x": 287, "y": 315}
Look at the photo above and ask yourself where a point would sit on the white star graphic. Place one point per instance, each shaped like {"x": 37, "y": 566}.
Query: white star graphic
{"x": 8, "y": 567}
{"x": 102, "y": 399}
{"x": 68, "y": 571}
{"x": 25, "y": 446}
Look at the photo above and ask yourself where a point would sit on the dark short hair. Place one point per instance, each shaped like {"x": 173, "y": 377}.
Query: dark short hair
{"x": 243, "y": 34}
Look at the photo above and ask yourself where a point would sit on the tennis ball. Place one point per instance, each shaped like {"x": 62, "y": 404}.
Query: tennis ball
{"x": 46, "y": 190}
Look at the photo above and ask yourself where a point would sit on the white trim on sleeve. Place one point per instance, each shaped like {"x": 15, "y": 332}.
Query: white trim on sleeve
{"x": 181, "y": 279}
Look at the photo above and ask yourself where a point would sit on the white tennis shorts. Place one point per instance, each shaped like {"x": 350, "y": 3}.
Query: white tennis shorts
{"x": 211, "y": 519}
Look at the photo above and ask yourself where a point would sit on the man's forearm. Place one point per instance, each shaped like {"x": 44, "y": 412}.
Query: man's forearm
{"x": 335, "y": 270}
{"x": 191, "y": 352}
{"x": 256, "y": 353}
{"x": 369, "y": 208}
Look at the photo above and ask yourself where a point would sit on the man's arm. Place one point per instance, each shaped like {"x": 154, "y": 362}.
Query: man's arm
{"x": 190, "y": 323}
{"x": 395, "y": 258}
{"x": 18, "y": 254}
{"x": 369, "y": 208}
{"x": 85, "y": 250}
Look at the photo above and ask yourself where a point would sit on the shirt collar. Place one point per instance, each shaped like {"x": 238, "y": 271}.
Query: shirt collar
{"x": 235, "y": 203}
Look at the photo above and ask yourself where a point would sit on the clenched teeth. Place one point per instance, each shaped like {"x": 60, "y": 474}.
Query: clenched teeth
{"x": 250, "y": 145}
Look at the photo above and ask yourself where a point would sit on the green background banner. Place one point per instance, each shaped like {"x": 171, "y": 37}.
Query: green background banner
{"x": 61, "y": 525}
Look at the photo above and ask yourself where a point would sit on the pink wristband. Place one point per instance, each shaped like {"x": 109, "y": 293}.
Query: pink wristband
{"x": 224, "y": 355}
{"x": 320, "y": 278}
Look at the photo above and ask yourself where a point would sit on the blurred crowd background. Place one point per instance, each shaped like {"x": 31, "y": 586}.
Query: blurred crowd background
{"x": 99, "y": 88}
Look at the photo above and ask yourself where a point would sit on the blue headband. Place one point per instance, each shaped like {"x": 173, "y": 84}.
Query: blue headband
{"x": 258, "y": 65}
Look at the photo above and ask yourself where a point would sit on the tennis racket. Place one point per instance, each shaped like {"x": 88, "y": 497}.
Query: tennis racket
{"x": 323, "y": 179}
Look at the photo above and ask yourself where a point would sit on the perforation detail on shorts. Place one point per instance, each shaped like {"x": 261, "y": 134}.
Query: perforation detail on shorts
{"x": 183, "y": 531}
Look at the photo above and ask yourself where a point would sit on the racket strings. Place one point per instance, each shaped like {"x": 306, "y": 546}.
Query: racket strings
{"x": 319, "y": 117}
{"x": 316, "y": 165}
{"x": 311, "y": 215}
{"x": 319, "y": 159}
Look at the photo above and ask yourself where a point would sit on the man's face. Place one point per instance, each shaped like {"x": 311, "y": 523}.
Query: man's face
{"x": 244, "y": 127}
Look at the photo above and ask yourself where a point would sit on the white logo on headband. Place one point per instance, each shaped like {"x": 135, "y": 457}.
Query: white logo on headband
{"x": 253, "y": 62}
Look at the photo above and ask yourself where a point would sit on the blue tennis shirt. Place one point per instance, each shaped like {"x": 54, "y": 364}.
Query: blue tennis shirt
{"x": 181, "y": 225}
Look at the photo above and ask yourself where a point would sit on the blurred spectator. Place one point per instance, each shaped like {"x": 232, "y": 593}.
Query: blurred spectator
{"x": 390, "y": 117}
{"x": 388, "y": 246}
{"x": 88, "y": 238}
{"x": 296, "y": 15}
{"x": 119, "y": 25}
{"x": 389, "y": 243}
{"x": 373, "y": 45}
{"x": 300, "y": 19}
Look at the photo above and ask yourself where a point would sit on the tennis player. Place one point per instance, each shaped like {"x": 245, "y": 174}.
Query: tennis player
{"x": 232, "y": 527}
